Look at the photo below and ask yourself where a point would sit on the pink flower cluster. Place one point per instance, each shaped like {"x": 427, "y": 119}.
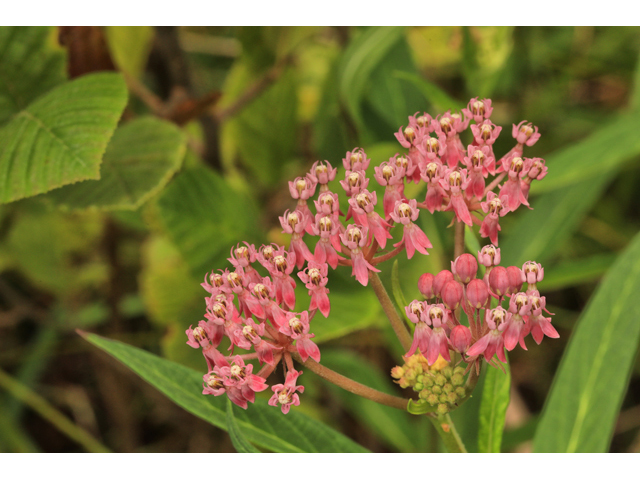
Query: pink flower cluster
{"x": 251, "y": 303}
{"x": 492, "y": 328}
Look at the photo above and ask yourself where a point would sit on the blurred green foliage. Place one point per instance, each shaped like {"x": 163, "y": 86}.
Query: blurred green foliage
{"x": 159, "y": 202}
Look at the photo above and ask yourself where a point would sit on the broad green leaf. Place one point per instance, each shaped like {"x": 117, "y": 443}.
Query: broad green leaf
{"x": 60, "y": 138}
{"x": 437, "y": 97}
{"x": 205, "y": 217}
{"x": 538, "y": 233}
{"x": 576, "y": 272}
{"x": 240, "y": 443}
{"x": 350, "y": 311}
{"x": 130, "y": 47}
{"x": 261, "y": 424}
{"x": 263, "y": 135}
{"x": 493, "y": 407}
{"x": 30, "y": 66}
{"x": 140, "y": 160}
{"x": 358, "y": 62}
{"x": 601, "y": 153}
{"x": 395, "y": 427}
{"x": 512, "y": 438}
{"x": 588, "y": 389}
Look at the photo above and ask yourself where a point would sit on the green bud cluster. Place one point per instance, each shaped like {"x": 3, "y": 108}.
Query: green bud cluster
{"x": 439, "y": 385}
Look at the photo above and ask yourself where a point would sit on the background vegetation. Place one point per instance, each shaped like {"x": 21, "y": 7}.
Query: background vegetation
{"x": 188, "y": 151}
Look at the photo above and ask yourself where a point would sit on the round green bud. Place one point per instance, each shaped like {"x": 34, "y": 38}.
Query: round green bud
{"x": 447, "y": 388}
{"x": 420, "y": 378}
{"x": 459, "y": 370}
{"x": 460, "y": 391}
{"x": 447, "y": 372}
{"x": 457, "y": 379}
{"x": 410, "y": 374}
{"x": 442, "y": 409}
{"x": 432, "y": 399}
{"x": 427, "y": 381}
{"x": 417, "y": 387}
{"x": 440, "y": 379}
{"x": 436, "y": 389}
{"x": 424, "y": 394}
{"x": 452, "y": 398}
{"x": 443, "y": 398}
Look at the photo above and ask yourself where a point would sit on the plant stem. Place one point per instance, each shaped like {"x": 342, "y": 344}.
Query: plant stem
{"x": 353, "y": 386}
{"x": 458, "y": 242}
{"x": 50, "y": 413}
{"x": 495, "y": 182}
{"x": 387, "y": 305}
{"x": 448, "y": 433}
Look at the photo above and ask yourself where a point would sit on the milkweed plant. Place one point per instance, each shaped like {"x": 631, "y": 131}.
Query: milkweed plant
{"x": 465, "y": 320}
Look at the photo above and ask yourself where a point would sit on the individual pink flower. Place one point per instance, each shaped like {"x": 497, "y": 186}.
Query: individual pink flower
{"x": 435, "y": 148}
{"x": 511, "y": 192}
{"x": 302, "y": 188}
{"x": 533, "y": 273}
{"x": 297, "y": 327}
{"x": 356, "y": 160}
{"x": 485, "y": 133}
{"x": 421, "y": 336}
{"x": 479, "y": 110}
{"x": 525, "y": 134}
{"x": 354, "y": 238}
{"x": 322, "y": 173}
{"x": 286, "y": 395}
{"x": 438, "y": 341}
{"x": 265, "y": 295}
{"x": 540, "y": 326}
{"x": 492, "y": 343}
{"x": 315, "y": 279}
{"x": 281, "y": 268}
{"x": 537, "y": 171}
{"x": 203, "y": 335}
{"x": 362, "y": 206}
{"x": 328, "y": 204}
{"x": 489, "y": 256}
{"x": 389, "y": 175}
{"x": 456, "y": 182}
{"x": 295, "y": 223}
{"x": 329, "y": 243}
{"x": 480, "y": 162}
{"x": 413, "y": 237}
{"x": 494, "y": 209}
{"x": 432, "y": 174}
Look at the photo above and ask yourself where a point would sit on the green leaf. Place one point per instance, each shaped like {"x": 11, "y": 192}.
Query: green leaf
{"x": 205, "y": 217}
{"x": 240, "y": 443}
{"x": 399, "y": 297}
{"x": 30, "y": 66}
{"x": 360, "y": 59}
{"x": 538, "y": 233}
{"x": 576, "y": 272}
{"x": 419, "y": 408}
{"x": 601, "y": 153}
{"x": 437, "y": 97}
{"x": 391, "y": 425}
{"x": 130, "y": 47}
{"x": 493, "y": 407}
{"x": 61, "y": 137}
{"x": 588, "y": 389}
{"x": 261, "y": 424}
{"x": 140, "y": 160}
{"x": 351, "y": 311}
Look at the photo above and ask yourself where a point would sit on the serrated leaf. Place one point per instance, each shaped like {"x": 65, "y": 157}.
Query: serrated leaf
{"x": 30, "y": 67}
{"x": 391, "y": 425}
{"x": 588, "y": 389}
{"x": 140, "y": 160}
{"x": 60, "y": 138}
{"x": 493, "y": 407}
{"x": 205, "y": 217}
{"x": 130, "y": 47}
{"x": 261, "y": 424}
{"x": 603, "y": 152}
{"x": 240, "y": 443}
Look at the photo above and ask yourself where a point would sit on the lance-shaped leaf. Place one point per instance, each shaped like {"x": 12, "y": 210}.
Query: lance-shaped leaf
{"x": 140, "y": 159}
{"x": 239, "y": 441}
{"x": 261, "y": 424}
{"x": 587, "y": 391}
{"x": 60, "y": 138}
{"x": 493, "y": 407}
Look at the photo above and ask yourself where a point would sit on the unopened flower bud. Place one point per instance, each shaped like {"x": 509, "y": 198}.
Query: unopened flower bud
{"x": 516, "y": 279}
{"x": 452, "y": 294}
{"x": 436, "y": 389}
{"x": 477, "y": 293}
{"x": 464, "y": 268}
{"x": 443, "y": 409}
{"x": 447, "y": 388}
{"x": 499, "y": 281}
{"x": 432, "y": 399}
{"x": 440, "y": 379}
{"x": 397, "y": 372}
{"x": 460, "y": 338}
{"x": 440, "y": 279}
{"x": 425, "y": 285}
{"x": 457, "y": 379}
